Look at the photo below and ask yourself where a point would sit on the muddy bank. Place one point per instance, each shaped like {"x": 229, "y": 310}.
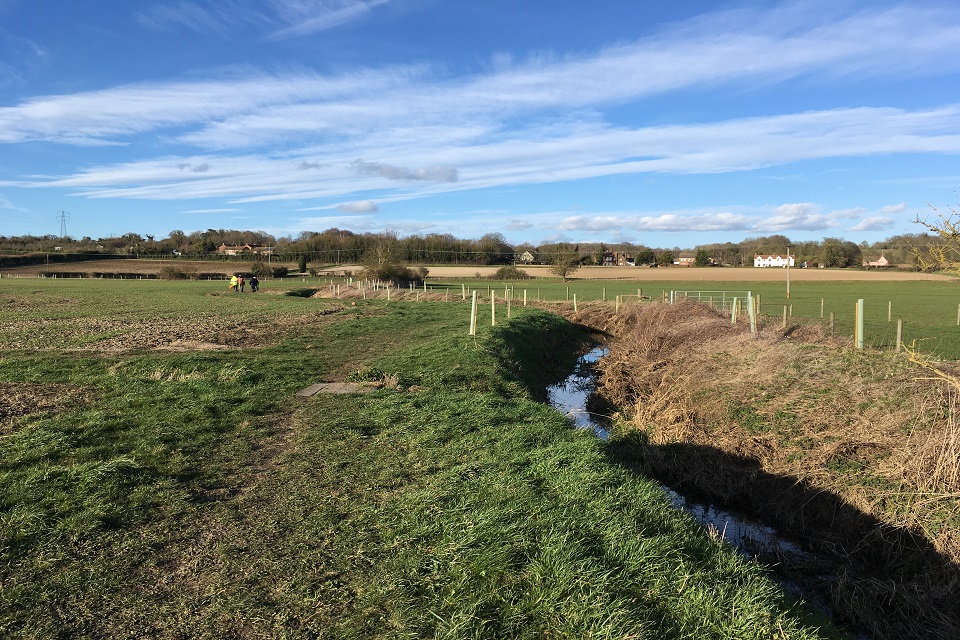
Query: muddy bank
{"x": 848, "y": 452}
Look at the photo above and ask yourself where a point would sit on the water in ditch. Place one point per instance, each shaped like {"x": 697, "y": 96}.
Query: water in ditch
{"x": 750, "y": 538}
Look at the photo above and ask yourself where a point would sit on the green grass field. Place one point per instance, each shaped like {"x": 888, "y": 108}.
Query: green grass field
{"x": 159, "y": 477}
{"x": 929, "y": 310}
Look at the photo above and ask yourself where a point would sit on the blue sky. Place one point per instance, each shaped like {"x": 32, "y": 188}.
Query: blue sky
{"x": 666, "y": 124}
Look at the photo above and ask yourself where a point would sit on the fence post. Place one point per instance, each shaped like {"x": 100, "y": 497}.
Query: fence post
{"x": 733, "y": 312}
{"x": 831, "y": 323}
{"x": 493, "y": 308}
{"x": 509, "y": 298}
{"x": 568, "y": 292}
{"x": 617, "y": 307}
{"x": 821, "y": 308}
{"x": 899, "y": 333}
{"x": 463, "y": 290}
{"x": 574, "y": 303}
{"x": 753, "y": 314}
{"x": 784, "y": 325}
{"x": 889, "y": 310}
{"x": 604, "y": 294}
{"x": 524, "y": 297}
{"x": 859, "y": 330}
{"x": 473, "y": 315}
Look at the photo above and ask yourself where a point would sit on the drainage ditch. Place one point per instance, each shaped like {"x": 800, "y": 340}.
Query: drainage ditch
{"x": 751, "y": 539}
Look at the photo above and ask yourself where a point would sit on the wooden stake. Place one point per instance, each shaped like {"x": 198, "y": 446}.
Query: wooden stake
{"x": 859, "y": 332}
{"x": 473, "y": 315}
{"x": 899, "y": 333}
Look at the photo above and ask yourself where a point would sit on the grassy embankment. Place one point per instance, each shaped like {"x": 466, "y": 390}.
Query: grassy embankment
{"x": 160, "y": 478}
{"x": 856, "y": 453}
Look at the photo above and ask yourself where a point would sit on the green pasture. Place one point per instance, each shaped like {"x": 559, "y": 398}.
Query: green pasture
{"x": 192, "y": 493}
{"x": 929, "y": 309}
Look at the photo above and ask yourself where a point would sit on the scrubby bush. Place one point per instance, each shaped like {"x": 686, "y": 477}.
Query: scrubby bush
{"x": 171, "y": 272}
{"x": 509, "y": 273}
{"x": 397, "y": 274}
{"x": 260, "y": 269}
{"x": 279, "y": 272}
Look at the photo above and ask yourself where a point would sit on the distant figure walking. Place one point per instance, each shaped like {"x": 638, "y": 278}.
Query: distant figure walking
{"x": 254, "y": 284}
{"x": 233, "y": 283}
{"x": 240, "y": 282}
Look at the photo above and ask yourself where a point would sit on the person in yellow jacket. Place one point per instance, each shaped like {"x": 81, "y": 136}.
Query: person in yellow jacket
{"x": 233, "y": 283}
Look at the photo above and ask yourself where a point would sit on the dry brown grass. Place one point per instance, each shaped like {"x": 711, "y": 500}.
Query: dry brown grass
{"x": 856, "y": 452}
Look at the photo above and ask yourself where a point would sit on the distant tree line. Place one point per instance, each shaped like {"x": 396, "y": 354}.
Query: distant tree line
{"x": 340, "y": 246}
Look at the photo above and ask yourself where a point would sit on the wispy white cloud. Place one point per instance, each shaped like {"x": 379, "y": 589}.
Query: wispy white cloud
{"x": 226, "y": 210}
{"x": 298, "y": 136}
{"x": 803, "y": 216}
{"x": 874, "y": 223}
{"x": 305, "y": 16}
{"x": 5, "y": 203}
{"x": 390, "y": 172}
{"x": 663, "y": 222}
{"x": 894, "y": 208}
{"x": 360, "y": 206}
{"x": 260, "y": 108}
{"x": 785, "y": 218}
{"x": 524, "y": 158}
{"x": 275, "y": 19}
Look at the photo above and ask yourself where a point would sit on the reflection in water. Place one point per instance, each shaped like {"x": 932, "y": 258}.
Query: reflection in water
{"x": 751, "y": 539}
{"x": 570, "y": 396}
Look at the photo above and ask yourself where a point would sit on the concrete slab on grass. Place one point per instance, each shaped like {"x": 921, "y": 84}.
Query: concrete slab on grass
{"x": 333, "y": 387}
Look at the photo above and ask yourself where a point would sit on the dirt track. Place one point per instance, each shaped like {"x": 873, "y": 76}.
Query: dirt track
{"x": 745, "y": 274}
{"x": 708, "y": 274}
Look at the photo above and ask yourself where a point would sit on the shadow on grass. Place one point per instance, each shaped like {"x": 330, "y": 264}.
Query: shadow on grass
{"x": 540, "y": 350}
{"x": 888, "y": 580}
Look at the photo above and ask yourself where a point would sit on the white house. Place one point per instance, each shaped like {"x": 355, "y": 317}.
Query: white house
{"x": 771, "y": 261}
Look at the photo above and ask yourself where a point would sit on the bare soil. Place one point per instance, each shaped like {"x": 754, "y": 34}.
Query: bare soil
{"x": 707, "y": 274}
{"x": 19, "y": 399}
